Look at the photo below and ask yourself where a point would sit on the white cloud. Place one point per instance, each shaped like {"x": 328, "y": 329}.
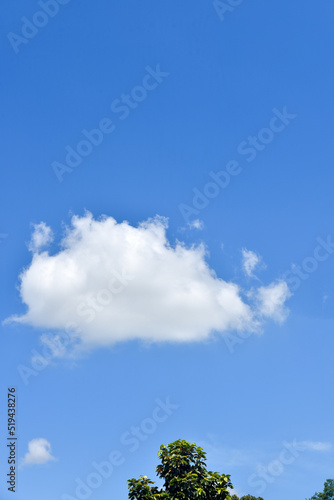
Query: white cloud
{"x": 250, "y": 261}
{"x": 315, "y": 445}
{"x": 234, "y": 492}
{"x": 196, "y": 224}
{"x": 41, "y": 236}
{"x": 39, "y": 452}
{"x": 272, "y": 300}
{"x": 113, "y": 282}
{"x": 226, "y": 456}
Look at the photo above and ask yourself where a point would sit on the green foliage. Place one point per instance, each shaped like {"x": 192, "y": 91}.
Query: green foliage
{"x": 185, "y": 477}
{"x": 246, "y": 497}
{"x": 328, "y": 493}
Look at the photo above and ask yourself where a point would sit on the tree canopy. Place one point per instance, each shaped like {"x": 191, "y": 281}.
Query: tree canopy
{"x": 185, "y": 476}
{"x": 327, "y": 494}
{"x": 245, "y": 497}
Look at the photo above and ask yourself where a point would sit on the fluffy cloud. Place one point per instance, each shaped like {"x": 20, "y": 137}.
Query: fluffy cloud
{"x": 39, "y": 452}
{"x": 272, "y": 300}
{"x": 250, "y": 261}
{"x": 41, "y": 236}
{"x": 112, "y": 282}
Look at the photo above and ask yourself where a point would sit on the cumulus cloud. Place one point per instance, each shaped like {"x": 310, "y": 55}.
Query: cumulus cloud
{"x": 113, "y": 282}
{"x": 272, "y": 299}
{"x": 39, "y": 452}
{"x": 250, "y": 261}
{"x": 41, "y": 236}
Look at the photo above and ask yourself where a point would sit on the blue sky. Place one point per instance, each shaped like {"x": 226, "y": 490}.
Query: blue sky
{"x": 212, "y": 322}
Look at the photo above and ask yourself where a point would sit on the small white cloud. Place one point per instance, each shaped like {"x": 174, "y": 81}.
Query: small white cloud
{"x": 39, "y": 452}
{"x": 315, "y": 445}
{"x": 224, "y": 456}
{"x": 233, "y": 491}
{"x": 250, "y": 261}
{"x": 196, "y": 224}
{"x": 41, "y": 236}
{"x": 272, "y": 299}
{"x": 113, "y": 282}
